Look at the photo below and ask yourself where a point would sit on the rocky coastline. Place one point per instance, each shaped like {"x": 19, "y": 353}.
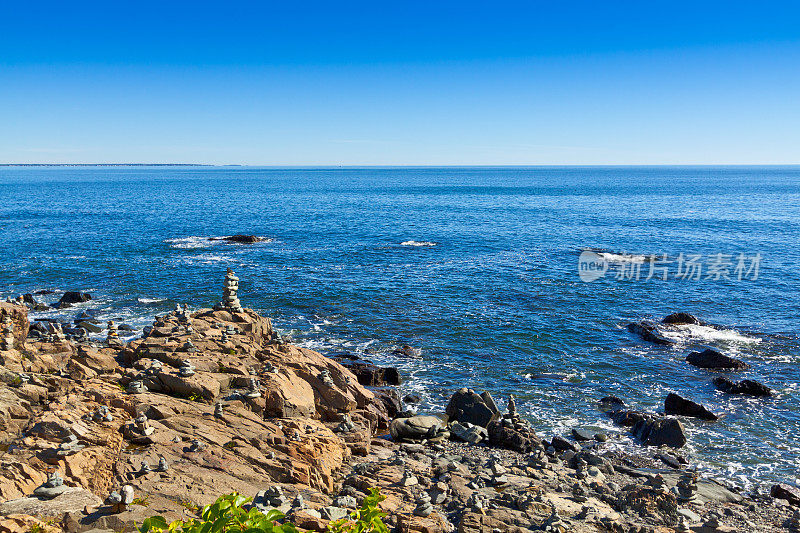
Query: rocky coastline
{"x": 97, "y": 436}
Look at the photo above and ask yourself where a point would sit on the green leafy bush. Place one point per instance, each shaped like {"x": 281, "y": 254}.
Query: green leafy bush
{"x": 227, "y": 515}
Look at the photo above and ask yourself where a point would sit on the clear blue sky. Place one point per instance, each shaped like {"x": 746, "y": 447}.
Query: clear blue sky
{"x": 296, "y": 83}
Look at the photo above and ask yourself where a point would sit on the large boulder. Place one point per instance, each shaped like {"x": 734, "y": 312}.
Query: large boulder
{"x": 517, "y": 437}
{"x": 782, "y": 491}
{"x": 746, "y": 386}
{"x": 19, "y": 318}
{"x": 649, "y": 332}
{"x": 416, "y": 428}
{"x": 680, "y": 319}
{"x": 73, "y": 297}
{"x": 468, "y": 406}
{"x": 660, "y": 431}
{"x": 371, "y": 375}
{"x": 677, "y": 405}
{"x": 651, "y": 429}
{"x": 714, "y": 360}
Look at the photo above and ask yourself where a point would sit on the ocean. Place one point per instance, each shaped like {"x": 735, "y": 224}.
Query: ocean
{"x": 478, "y": 268}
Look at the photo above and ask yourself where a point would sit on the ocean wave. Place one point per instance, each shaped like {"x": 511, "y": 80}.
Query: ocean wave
{"x": 150, "y": 300}
{"x": 418, "y": 243}
{"x": 692, "y": 332}
{"x": 189, "y": 243}
{"x": 622, "y": 258}
{"x": 208, "y": 259}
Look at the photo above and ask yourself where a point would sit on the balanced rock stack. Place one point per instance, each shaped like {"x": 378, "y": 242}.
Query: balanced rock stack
{"x": 112, "y": 337}
{"x": 7, "y": 342}
{"x": 230, "y": 296}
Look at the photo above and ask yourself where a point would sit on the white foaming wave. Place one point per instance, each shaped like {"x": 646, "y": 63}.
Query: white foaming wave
{"x": 150, "y": 300}
{"x": 622, "y": 258}
{"x": 418, "y": 243}
{"x": 707, "y": 333}
{"x": 209, "y": 259}
{"x": 188, "y": 243}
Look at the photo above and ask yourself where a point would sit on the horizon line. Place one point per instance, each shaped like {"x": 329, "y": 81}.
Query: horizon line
{"x": 406, "y": 165}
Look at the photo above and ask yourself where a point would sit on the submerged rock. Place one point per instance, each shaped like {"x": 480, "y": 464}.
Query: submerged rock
{"x": 714, "y": 360}
{"x": 239, "y": 239}
{"x": 649, "y": 332}
{"x": 676, "y": 405}
{"x": 746, "y": 386}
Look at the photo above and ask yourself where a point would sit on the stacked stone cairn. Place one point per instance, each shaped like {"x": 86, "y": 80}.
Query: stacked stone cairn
{"x": 253, "y": 389}
{"x": 7, "y": 342}
{"x": 686, "y": 488}
{"x": 187, "y": 369}
{"x": 50, "y": 488}
{"x": 136, "y": 387}
{"x": 230, "y": 295}
{"x": 112, "y": 338}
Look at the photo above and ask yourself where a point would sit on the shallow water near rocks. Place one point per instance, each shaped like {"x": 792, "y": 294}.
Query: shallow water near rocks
{"x": 477, "y": 267}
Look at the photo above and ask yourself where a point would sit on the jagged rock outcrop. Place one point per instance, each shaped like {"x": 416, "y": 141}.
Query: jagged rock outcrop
{"x": 713, "y": 360}
{"x": 748, "y": 387}
{"x": 467, "y": 406}
{"x": 677, "y": 405}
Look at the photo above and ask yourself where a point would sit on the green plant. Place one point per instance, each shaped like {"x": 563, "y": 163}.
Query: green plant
{"x": 227, "y": 515}
{"x": 144, "y": 502}
{"x": 368, "y": 519}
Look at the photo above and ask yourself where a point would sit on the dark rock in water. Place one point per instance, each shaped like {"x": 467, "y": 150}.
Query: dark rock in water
{"x": 669, "y": 460}
{"x": 649, "y": 332}
{"x": 561, "y": 444}
{"x": 746, "y": 386}
{"x": 611, "y": 403}
{"x": 412, "y": 398}
{"x": 405, "y": 351}
{"x": 343, "y": 356}
{"x": 467, "y": 406}
{"x": 371, "y": 375}
{"x": 657, "y": 431}
{"x": 390, "y": 399}
{"x": 73, "y": 297}
{"x": 676, "y": 405}
{"x": 680, "y": 318}
{"x": 627, "y": 418}
{"x": 43, "y": 292}
{"x": 582, "y": 434}
{"x": 714, "y": 360}
{"x": 519, "y": 438}
{"x": 239, "y": 239}
{"x": 782, "y": 491}
{"x": 89, "y": 326}
{"x": 125, "y": 327}
{"x": 29, "y": 300}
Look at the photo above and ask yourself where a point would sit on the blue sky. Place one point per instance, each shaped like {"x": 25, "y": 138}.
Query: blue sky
{"x": 381, "y": 83}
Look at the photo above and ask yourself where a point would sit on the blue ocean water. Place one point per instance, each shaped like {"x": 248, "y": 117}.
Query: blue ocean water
{"x": 476, "y": 267}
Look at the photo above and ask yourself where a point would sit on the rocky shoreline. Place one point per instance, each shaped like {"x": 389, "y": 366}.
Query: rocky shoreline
{"x": 99, "y": 436}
